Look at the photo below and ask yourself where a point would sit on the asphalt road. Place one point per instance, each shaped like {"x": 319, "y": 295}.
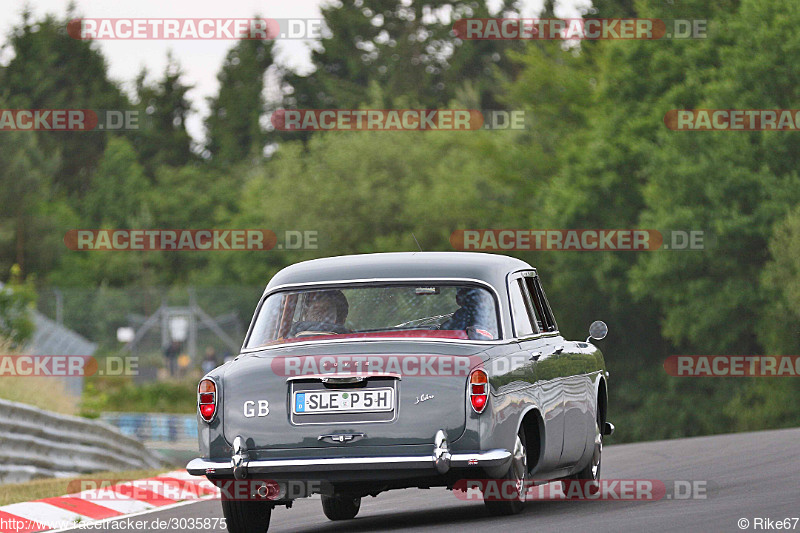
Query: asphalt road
{"x": 746, "y": 475}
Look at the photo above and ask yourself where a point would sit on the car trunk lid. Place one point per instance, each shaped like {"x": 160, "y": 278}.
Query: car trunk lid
{"x": 364, "y": 393}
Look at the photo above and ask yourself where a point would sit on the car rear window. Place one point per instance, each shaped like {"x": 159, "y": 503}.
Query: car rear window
{"x": 419, "y": 310}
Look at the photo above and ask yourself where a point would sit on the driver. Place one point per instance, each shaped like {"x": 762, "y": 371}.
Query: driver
{"x": 325, "y": 312}
{"x": 473, "y": 315}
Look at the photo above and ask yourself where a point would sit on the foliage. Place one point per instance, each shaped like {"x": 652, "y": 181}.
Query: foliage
{"x": 17, "y": 300}
{"x": 121, "y": 394}
{"x": 404, "y": 48}
{"x": 163, "y": 107}
{"x": 51, "y": 70}
{"x": 234, "y": 129}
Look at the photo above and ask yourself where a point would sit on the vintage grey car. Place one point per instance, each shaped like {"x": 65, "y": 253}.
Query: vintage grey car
{"x": 365, "y": 373}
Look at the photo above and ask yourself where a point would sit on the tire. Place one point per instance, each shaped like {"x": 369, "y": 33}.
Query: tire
{"x": 340, "y": 507}
{"x": 517, "y": 472}
{"x": 591, "y": 473}
{"x": 246, "y": 516}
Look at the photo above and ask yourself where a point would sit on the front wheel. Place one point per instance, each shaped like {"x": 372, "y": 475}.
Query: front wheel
{"x": 518, "y": 475}
{"x": 246, "y": 516}
{"x": 340, "y": 507}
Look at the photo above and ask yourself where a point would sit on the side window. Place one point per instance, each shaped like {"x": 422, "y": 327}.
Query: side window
{"x": 536, "y": 304}
{"x": 544, "y": 315}
{"x": 519, "y": 308}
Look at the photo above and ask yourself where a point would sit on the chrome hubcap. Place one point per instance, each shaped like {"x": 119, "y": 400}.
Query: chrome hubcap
{"x": 519, "y": 466}
{"x": 598, "y": 450}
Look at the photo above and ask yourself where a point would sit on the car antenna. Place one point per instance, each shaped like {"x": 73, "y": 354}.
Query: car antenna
{"x": 416, "y": 241}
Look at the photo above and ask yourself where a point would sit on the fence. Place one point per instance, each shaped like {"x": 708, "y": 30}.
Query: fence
{"x": 217, "y": 318}
{"x": 160, "y": 431}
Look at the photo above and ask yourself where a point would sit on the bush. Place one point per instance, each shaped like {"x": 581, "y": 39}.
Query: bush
{"x": 16, "y": 302}
{"x": 121, "y": 394}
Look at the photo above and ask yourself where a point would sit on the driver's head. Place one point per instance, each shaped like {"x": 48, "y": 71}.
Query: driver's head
{"x": 468, "y": 297}
{"x": 327, "y": 306}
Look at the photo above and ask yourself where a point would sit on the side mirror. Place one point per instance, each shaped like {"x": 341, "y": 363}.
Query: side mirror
{"x": 597, "y": 331}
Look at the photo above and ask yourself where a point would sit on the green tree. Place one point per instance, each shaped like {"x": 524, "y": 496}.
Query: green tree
{"x": 51, "y": 70}
{"x": 17, "y": 300}
{"x": 117, "y": 197}
{"x": 162, "y": 138}
{"x": 779, "y": 328}
{"x": 404, "y": 48}
{"x": 233, "y": 127}
{"x": 734, "y": 185}
{"x": 29, "y": 209}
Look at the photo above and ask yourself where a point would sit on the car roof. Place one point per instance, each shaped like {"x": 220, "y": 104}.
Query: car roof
{"x": 489, "y": 268}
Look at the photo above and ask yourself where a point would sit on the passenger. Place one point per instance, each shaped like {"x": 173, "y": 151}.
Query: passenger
{"x": 474, "y": 312}
{"x": 325, "y": 312}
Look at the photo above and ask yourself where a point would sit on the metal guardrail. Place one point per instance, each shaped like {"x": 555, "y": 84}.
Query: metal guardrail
{"x": 37, "y": 443}
{"x": 156, "y": 430}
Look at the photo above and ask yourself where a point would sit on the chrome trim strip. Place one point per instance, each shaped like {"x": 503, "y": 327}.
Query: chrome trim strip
{"x": 200, "y": 467}
{"x": 375, "y": 339}
{"x": 490, "y": 458}
{"x": 527, "y": 273}
{"x": 333, "y": 376}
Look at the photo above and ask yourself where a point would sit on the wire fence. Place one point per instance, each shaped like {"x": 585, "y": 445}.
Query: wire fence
{"x": 172, "y": 332}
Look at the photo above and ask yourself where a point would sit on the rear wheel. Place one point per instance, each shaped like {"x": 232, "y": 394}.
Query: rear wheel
{"x": 518, "y": 475}
{"x": 591, "y": 474}
{"x": 340, "y": 507}
{"x": 246, "y": 516}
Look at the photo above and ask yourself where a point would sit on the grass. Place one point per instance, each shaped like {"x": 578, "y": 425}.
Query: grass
{"x": 101, "y": 393}
{"x": 46, "y": 393}
{"x": 42, "y": 392}
{"x": 52, "y": 487}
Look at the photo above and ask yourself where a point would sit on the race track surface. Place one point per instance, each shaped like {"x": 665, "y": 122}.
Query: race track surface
{"x": 747, "y": 475}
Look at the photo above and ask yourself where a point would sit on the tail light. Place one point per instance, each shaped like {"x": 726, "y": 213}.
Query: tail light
{"x": 478, "y": 390}
{"x": 207, "y": 399}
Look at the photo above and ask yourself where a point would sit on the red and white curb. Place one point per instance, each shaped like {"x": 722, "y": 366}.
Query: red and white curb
{"x": 126, "y": 498}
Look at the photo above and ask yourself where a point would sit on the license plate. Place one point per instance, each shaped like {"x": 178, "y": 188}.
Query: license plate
{"x": 343, "y": 401}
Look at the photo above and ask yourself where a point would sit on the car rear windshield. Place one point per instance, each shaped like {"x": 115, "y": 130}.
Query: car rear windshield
{"x": 421, "y": 310}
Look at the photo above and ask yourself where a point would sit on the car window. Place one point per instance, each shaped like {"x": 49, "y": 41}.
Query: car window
{"x": 519, "y": 309}
{"x": 544, "y": 315}
{"x": 399, "y": 310}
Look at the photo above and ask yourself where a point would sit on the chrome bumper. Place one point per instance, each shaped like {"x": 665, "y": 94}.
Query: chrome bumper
{"x": 426, "y": 464}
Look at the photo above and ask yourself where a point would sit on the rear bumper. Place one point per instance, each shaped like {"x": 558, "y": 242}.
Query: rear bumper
{"x": 430, "y": 464}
